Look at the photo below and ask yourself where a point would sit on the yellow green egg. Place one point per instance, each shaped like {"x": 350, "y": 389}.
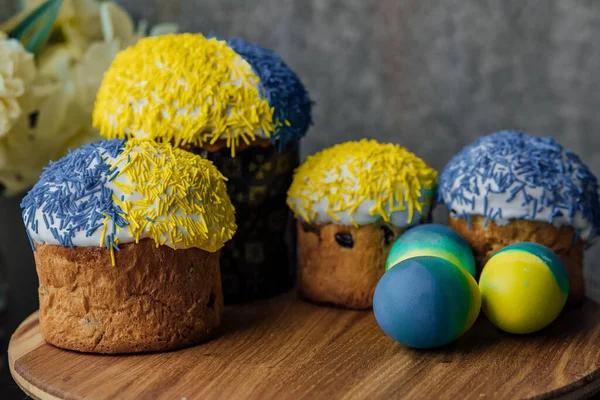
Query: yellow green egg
{"x": 524, "y": 287}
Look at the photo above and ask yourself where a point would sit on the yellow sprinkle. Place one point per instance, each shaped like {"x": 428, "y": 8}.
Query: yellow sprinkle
{"x": 112, "y": 256}
{"x": 332, "y": 215}
{"x": 196, "y": 91}
{"x": 106, "y": 219}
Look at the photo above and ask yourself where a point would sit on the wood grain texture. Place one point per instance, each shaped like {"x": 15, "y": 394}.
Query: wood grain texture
{"x": 288, "y": 349}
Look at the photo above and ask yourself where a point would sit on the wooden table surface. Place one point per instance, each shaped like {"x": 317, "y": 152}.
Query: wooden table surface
{"x": 288, "y": 349}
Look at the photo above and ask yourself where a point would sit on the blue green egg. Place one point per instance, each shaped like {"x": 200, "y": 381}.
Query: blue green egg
{"x": 426, "y": 302}
{"x": 433, "y": 240}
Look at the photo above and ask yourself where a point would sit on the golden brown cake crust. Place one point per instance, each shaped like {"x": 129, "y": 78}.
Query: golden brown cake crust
{"x": 331, "y": 274}
{"x": 487, "y": 240}
{"x": 154, "y": 299}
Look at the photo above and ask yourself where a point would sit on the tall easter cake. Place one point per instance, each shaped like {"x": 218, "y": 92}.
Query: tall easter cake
{"x": 127, "y": 237}
{"x": 512, "y": 187}
{"x": 352, "y": 201}
{"x": 236, "y": 104}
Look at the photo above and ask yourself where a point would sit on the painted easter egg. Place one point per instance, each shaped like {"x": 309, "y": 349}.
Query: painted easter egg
{"x": 524, "y": 287}
{"x": 426, "y": 302}
{"x": 432, "y": 240}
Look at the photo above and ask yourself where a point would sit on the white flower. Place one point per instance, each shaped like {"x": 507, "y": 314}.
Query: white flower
{"x": 17, "y": 70}
{"x": 54, "y": 107}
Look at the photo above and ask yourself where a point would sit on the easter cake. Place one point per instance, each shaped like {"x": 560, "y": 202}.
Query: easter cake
{"x": 512, "y": 187}
{"x": 352, "y": 201}
{"x": 126, "y": 237}
{"x": 240, "y": 106}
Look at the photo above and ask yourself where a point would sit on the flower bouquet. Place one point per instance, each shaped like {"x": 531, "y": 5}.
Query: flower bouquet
{"x": 52, "y": 59}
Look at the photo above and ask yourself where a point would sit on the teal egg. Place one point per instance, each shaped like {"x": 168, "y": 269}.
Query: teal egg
{"x": 426, "y": 302}
{"x": 433, "y": 240}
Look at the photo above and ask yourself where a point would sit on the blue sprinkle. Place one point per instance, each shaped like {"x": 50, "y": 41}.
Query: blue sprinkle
{"x": 557, "y": 213}
{"x": 485, "y": 205}
{"x": 151, "y": 220}
{"x": 572, "y": 214}
{"x": 498, "y": 214}
{"x": 576, "y": 235}
{"x": 514, "y": 192}
{"x": 283, "y": 90}
{"x": 113, "y": 176}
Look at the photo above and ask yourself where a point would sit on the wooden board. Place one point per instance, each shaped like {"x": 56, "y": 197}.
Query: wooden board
{"x": 286, "y": 348}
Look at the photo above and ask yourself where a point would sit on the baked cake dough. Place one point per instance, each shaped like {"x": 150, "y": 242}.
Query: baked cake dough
{"x": 155, "y": 299}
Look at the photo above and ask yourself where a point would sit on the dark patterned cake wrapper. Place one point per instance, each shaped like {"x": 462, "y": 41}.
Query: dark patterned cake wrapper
{"x": 260, "y": 260}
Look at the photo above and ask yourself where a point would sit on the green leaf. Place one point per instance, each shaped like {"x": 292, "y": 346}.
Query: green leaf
{"x": 36, "y": 27}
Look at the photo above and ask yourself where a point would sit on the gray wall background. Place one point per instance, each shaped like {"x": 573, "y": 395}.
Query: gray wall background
{"x": 432, "y": 75}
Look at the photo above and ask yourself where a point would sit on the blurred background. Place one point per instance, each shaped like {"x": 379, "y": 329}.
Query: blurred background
{"x": 432, "y": 75}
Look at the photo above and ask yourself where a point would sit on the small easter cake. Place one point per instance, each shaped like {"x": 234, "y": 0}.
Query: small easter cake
{"x": 352, "y": 201}
{"x": 240, "y": 106}
{"x": 126, "y": 238}
{"x": 512, "y": 187}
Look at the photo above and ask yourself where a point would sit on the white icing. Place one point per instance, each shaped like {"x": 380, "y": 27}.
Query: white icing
{"x": 515, "y": 208}
{"x": 362, "y": 215}
{"x": 45, "y": 236}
